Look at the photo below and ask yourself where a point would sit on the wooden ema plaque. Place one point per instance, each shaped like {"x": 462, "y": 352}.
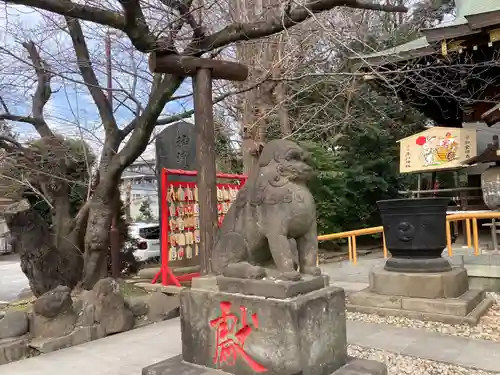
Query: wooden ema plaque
{"x": 180, "y": 221}
{"x": 437, "y": 148}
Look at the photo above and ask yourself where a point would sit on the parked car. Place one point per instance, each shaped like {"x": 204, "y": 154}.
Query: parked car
{"x": 147, "y": 237}
{"x": 5, "y": 244}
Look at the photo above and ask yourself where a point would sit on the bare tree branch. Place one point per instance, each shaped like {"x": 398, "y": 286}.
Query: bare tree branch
{"x": 282, "y": 20}
{"x": 89, "y": 77}
{"x": 231, "y": 33}
{"x": 135, "y": 21}
{"x": 144, "y": 124}
{"x": 6, "y": 138}
{"x": 183, "y": 7}
{"x": 27, "y": 119}
{"x": 4, "y": 105}
{"x": 101, "y": 16}
{"x": 43, "y": 91}
{"x": 186, "y": 114}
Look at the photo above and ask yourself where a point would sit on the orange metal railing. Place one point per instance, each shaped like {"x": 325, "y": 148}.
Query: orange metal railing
{"x": 351, "y": 239}
{"x": 472, "y": 240}
{"x": 467, "y": 218}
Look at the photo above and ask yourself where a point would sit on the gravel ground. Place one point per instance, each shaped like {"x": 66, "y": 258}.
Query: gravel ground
{"x": 403, "y": 365}
{"x": 488, "y": 327}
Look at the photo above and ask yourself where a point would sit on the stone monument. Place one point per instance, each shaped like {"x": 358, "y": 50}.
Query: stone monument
{"x": 417, "y": 282}
{"x": 175, "y": 148}
{"x": 273, "y": 312}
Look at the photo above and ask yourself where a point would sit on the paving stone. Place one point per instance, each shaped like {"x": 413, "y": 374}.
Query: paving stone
{"x": 176, "y": 366}
{"x": 479, "y": 354}
{"x": 167, "y": 289}
{"x": 129, "y": 352}
{"x": 13, "y": 349}
{"x": 362, "y": 367}
{"x": 13, "y": 324}
{"x": 79, "y": 336}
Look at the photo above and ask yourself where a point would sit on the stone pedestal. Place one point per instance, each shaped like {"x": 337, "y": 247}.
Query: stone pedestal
{"x": 272, "y": 288}
{"x": 205, "y": 282}
{"x": 245, "y": 334}
{"x": 176, "y": 366}
{"x": 438, "y": 296}
{"x": 451, "y": 284}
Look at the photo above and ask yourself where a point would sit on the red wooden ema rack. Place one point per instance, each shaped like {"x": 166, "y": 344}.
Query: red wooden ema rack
{"x": 165, "y": 272}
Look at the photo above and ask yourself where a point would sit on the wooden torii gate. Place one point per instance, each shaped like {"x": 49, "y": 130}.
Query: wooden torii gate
{"x": 202, "y": 71}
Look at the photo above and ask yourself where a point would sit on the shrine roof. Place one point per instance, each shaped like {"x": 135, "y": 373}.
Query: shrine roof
{"x": 416, "y": 48}
{"x": 471, "y": 17}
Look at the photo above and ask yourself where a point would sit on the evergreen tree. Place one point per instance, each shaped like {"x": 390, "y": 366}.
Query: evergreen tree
{"x": 145, "y": 210}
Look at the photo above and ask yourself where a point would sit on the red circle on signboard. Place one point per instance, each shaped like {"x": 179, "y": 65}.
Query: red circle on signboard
{"x": 421, "y": 141}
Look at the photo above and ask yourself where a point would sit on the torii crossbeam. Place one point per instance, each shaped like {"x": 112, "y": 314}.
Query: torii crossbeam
{"x": 203, "y": 71}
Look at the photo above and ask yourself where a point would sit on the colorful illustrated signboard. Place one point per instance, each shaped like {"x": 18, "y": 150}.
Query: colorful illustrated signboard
{"x": 437, "y": 148}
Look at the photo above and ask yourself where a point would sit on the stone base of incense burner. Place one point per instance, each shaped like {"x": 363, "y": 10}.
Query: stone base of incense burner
{"x": 436, "y": 296}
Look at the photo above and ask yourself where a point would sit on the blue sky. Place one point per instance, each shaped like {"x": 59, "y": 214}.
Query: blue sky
{"x": 71, "y": 110}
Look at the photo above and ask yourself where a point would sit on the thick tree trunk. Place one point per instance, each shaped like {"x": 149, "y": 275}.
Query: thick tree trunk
{"x": 45, "y": 265}
{"x": 250, "y": 155}
{"x": 97, "y": 235}
{"x": 282, "y": 110}
{"x": 61, "y": 218}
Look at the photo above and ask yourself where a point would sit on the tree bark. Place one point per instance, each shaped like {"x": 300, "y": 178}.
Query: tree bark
{"x": 45, "y": 265}
{"x": 97, "y": 237}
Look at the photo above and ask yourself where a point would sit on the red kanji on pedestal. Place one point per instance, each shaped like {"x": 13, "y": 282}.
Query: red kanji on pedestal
{"x": 231, "y": 333}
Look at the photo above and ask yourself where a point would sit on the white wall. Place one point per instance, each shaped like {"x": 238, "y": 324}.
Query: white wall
{"x": 3, "y": 227}
{"x": 4, "y": 246}
{"x": 140, "y": 192}
{"x": 136, "y": 199}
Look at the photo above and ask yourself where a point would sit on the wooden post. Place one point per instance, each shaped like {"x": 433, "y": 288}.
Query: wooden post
{"x": 205, "y": 160}
{"x": 202, "y": 71}
{"x": 419, "y": 184}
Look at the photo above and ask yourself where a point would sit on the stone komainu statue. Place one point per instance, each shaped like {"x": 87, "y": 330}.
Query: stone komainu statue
{"x": 273, "y": 219}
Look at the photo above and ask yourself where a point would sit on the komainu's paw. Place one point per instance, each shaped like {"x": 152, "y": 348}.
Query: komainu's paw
{"x": 290, "y": 276}
{"x": 256, "y": 272}
{"x": 244, "y": 270}
{"x": 315, "y": 271}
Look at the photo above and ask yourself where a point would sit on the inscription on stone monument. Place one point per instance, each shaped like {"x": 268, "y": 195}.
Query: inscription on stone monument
{"x": 182, "y": 147}
{"x": 176, "y": 149}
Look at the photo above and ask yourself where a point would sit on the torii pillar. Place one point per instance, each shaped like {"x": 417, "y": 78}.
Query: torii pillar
{"x": 202, "y": 71}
